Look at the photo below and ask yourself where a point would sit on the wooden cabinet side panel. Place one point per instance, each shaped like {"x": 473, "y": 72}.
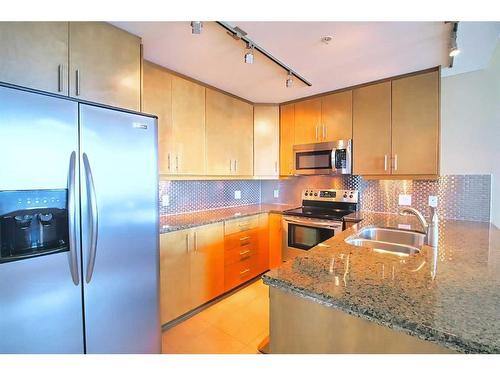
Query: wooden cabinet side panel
{"x": 287, "y": 138}
{"x": 415, "y": 124}
{"x": 157, "y": 99}
{"x": 266, "y": 141}
{"x": 372, "y": 129}
{"x": 188, "y": 120}
{"x": 275, "y": 240}
{"x": 175, "y": 289}
{"x": 263, "y": 247}
{"x": 336, "y": 116}
{"x": 109, "y": 62}
{"x": 31, "y": 53}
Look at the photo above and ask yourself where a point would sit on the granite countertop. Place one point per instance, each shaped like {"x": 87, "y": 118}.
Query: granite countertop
{"x": 171, "y": 223}
{"x": 449, "y": 295}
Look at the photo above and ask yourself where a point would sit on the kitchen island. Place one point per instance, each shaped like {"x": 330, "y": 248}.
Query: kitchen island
{"x": 342, "y": 298}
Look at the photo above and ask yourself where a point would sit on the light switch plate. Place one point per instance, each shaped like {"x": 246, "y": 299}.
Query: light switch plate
{"x": 404, "y": 200}
{"x": 276, "y": 193}
{"x": 433, "y": 200}
{"x": 237, "y": 194}
{"x": 165, "y": 200}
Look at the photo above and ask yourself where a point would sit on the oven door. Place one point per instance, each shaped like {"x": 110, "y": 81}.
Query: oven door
{"x": 302, "y": 234}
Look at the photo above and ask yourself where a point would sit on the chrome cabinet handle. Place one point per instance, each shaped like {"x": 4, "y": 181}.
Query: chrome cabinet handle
{"x": 230, "y": 166}
{"x": 245, "y": 254}
{"x": 77, "y": 88}
{"x": 395, "y": 162}
{"x": 168, "y": 159}
{"x": 385, "y": 162}
{"x": 93, "y": 218}
{"x": 275, "y": 167}
{"x": 73, "y": 263}
{"x": 177, "y": 163}
{"x": 326, "y": 132}
{"x": 59, "y": 78}
{"x": 235, "y": 165}
{"x": 242, "y": 273}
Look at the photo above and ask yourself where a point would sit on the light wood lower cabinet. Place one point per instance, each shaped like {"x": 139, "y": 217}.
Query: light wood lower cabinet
{"x": 372, "y": 129}
{"x": 266, "y": 141}
{"x": 415, "y": 124}
{"x": 35, "y": 55}
{"x": 191, "y": 269}
{"x": 287, "y": 139}
{"x": 105, "y": 65}
{"x": 275, "y": 240}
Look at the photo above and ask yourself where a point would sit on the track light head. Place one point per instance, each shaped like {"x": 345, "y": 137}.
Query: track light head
{"x": 454, "y": 51}
{"x": 289, "y": 80}
{"x": 249, "y": 54}
{"x": 196, "y": 27}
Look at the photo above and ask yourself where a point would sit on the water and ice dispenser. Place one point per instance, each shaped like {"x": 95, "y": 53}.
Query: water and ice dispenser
{"x": 32, "y": 223}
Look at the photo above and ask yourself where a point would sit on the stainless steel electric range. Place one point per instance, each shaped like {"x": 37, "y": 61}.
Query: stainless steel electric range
{"x": 320, "y": 217}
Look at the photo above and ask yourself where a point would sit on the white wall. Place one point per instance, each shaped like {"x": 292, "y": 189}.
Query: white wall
{"x": 470, "y": 126}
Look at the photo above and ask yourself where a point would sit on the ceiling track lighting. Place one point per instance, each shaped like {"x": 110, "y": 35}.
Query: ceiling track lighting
{"x": 453, "y": 48}
{"x": 239, "y": 34}
{"x": 196, "y": 27}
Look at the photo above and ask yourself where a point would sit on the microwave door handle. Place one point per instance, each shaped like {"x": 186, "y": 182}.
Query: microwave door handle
{"x": 334, "y": 160}
{"x": 73, "y": 263}
{"x": 93, "y": 219}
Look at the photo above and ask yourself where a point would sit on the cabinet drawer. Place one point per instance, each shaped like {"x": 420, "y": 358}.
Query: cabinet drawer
{"x": 237, "y": 273}
{"x": 239, "y": 254}
{"x": 236, "y": 240}
{"x": 240, "y": 225}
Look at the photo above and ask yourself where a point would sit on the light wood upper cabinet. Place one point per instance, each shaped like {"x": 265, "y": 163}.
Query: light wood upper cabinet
{"x": 308, "y": 121}
{"x": 35, "y": 55}
{"x": 266, "y": 140}
{"x": 287, "y": 139}
{"x": 105, "y": 65}
{"x": 372, "y": 129}
{"x": 157, "y": 99}
{"x": 336, "y": 116}
{"x": 188, "y": 119}
{"x": 229, "y": 135}
{"x": 415, "y": 124}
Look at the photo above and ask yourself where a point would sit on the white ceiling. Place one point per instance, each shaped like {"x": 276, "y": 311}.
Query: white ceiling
{"x": 476, "y": 41}
{"x": 360, "y": 52}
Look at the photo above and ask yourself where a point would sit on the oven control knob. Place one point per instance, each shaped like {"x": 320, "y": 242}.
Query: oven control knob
{"x": 306, "y": 194}
{"x": 350, "y": 196}
{"x": 315, "y": 194}
{"x": 345, "y": 195}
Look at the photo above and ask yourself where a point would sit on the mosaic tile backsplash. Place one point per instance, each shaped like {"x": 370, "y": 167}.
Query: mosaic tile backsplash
{"x": 462, "y": 197}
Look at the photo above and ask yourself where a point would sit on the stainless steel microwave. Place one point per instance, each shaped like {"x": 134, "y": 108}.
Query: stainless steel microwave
{"x": 327, "y": 158}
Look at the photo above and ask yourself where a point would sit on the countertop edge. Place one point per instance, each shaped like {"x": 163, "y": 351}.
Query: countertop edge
{"x": 449, "y": 341}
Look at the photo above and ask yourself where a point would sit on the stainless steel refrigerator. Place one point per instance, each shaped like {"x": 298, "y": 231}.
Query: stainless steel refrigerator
{"x": 79, "y": 263}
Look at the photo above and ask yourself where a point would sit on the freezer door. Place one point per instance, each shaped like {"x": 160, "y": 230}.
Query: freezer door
{"x": 40, "y": 298}
{"x": 120, "y": 231}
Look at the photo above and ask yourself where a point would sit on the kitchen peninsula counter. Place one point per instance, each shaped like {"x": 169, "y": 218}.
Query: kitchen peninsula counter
{"x": 449, "y": 296}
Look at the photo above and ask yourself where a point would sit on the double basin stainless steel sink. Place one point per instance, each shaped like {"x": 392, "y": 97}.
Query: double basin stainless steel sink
{"x": 390, "y": 240}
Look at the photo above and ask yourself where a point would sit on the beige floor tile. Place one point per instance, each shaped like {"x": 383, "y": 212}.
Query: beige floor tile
{"x": 211, "y": 341}
{"x": 244, "y": 326}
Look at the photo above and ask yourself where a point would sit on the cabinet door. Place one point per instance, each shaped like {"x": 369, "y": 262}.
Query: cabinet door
{"x": 105, "y": 65}
{"x": 275, "y": 240}
{"x": 175, "y": 279}
{"x": 242, "y": 141}
{"x": 207, "y": 263}
{"x": 188, "y": 119}
{"x": 287, "y": 139}
{"x": 266, "y": 141}
{"x": 35, "y": 55}
{"x": 372, "y": 129}
{"x": 336, "y": 116}
{"x": 157, "y": 99}
{"x": 219, "y": 133}
{"x": 308, "y": 121}
{"x": 263, "y": 247}
{"x": 415, "y": 124}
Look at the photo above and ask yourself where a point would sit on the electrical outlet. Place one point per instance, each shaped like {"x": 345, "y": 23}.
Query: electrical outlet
{"x": 276, "y": 193}
{"x": 165, "y": 200}
{"x": 404, "y": 200}
{"x": 237, "y": 194}
{"x": 433, "y": 200}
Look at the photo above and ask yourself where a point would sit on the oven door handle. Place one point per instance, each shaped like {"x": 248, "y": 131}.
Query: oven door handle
{"x": 314, "y": 223}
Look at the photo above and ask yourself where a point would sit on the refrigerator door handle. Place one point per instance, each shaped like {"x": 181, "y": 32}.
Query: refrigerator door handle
{"x": 73, "y": 263}
{"x": 93, "y": 218}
